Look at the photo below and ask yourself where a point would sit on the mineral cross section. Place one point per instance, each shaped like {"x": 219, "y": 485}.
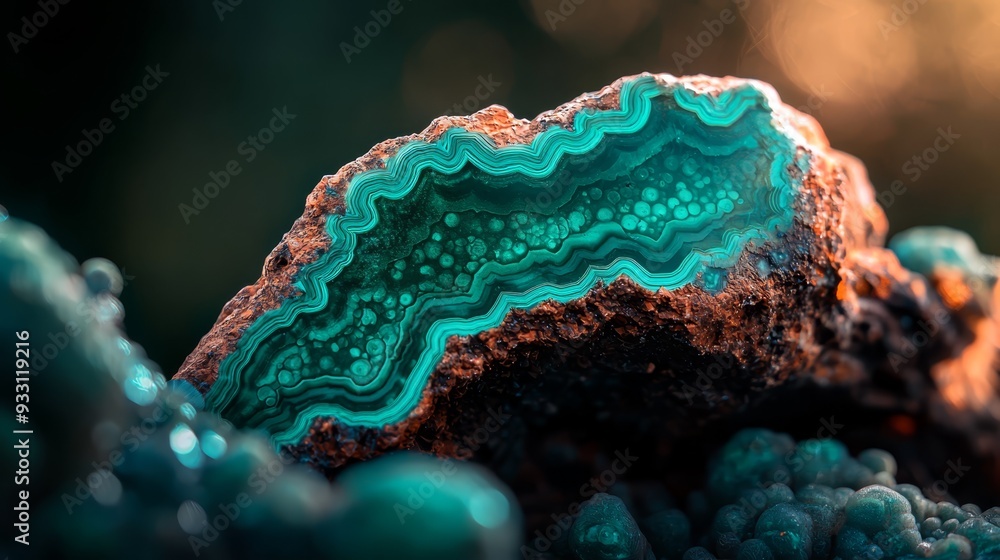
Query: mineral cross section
{"x": 652, "y": 231}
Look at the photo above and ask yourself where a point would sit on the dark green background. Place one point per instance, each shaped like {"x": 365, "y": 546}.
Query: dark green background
{"x": 226, "y": 76}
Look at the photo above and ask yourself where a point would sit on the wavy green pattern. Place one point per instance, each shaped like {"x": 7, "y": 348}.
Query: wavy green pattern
{"x": 453, "y": 234}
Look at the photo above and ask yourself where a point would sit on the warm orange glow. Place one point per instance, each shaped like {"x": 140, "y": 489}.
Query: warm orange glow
{"x": 459, "y": 68}
{"x": 979, "y": 53}
{"x": 953, "y": 289}
{"x": 969, "y": 381}
{"x": 849, "y": 46}
{"x": 599, "y": 29}
{"x": 903, "y": 425}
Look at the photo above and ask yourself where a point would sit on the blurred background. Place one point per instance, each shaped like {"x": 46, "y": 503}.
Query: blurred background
{"x": 118, "y": 114}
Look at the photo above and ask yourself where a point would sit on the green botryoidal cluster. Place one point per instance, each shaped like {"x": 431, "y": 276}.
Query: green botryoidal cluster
{"x": 930, "y": 249}
{"x": 768, "y": 498}
{"x": 812, "y": 500}
{"x": 933, "y": 250}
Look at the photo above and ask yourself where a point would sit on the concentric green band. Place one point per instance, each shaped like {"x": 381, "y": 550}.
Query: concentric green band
{"x": 453, "y": 234}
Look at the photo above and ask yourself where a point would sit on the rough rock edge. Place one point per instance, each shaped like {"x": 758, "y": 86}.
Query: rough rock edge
{"x": 821, "y": 294}
{"x": 307, "y": 239}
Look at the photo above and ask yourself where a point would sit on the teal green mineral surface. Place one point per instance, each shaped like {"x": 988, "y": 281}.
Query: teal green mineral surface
{"x": 667, "y": 189}
{"x": 425, "y": 508}
{"x": 931, "y": 249}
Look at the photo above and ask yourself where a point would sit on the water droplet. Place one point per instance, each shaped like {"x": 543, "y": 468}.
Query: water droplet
{"x": 192, "y": 517}
{"x": 188, "y": 410}
{"x": 489, "y": 508}
{"x": 184, "y": 442}
{"x": 109, "y": 491}
{"x": 139, "y": 387}
{"x": 102, "y": 276}
{"x": 107, "y": 308}
{"x": 213, "y": 444}
{"x": 182, "y": 439}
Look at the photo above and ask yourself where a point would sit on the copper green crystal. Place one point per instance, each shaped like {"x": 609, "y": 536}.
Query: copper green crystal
{"x": 667, "y": 189}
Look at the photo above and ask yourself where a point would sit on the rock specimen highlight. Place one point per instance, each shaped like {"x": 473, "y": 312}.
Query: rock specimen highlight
{"x": 451, "y": 235}
{"x": 592, "y": 306}
{"x": 639, "y": 236}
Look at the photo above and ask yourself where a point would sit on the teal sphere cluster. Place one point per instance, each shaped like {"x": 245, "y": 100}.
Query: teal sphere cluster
{"x": 768, "y": 497}
{"x": 777, "y": 499}
{"x": 125, "y": 464}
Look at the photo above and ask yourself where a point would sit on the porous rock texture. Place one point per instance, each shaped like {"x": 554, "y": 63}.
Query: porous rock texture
{"x": 826, "y": 311}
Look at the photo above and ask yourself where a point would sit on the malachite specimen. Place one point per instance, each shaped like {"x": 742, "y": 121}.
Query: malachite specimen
{"x": 668, "y": 188}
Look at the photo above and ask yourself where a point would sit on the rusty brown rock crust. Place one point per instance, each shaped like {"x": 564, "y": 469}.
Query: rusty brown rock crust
{"x": 805, "y": 313}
